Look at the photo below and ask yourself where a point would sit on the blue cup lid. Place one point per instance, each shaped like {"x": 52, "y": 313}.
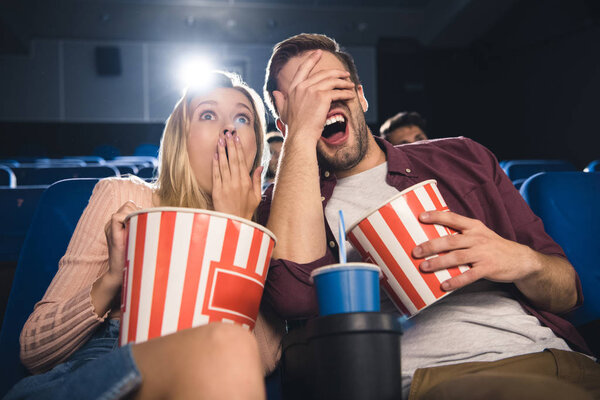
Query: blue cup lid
{"x": 345, "y": 267}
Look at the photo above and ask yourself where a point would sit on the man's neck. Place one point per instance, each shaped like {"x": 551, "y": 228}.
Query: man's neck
{"x": 373, "y": 157}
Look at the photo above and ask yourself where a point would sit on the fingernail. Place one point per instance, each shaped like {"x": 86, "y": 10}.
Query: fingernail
{"x": 425, "y": 265}
{"x": 221, "y": 142}
{"x": 445, "y": 285}
{"x": 418, "y": 251}
{"x": 236, "y": 138}
{"x": 425, "y": 216}
{"x": 228, "y": 135}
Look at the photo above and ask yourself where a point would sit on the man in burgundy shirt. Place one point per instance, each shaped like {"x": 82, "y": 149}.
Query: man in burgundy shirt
{"x": 314, "y": 92}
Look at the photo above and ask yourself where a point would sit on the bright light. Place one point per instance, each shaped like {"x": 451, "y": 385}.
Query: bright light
{"x": 195, "y": 72}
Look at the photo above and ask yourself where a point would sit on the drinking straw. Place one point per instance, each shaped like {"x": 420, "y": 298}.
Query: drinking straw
{"x": 342, "y": 237}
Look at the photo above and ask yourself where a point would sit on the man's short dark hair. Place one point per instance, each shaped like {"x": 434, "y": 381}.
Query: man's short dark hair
{"x": 294, "y": 46}
{"x": 400, "y": 120}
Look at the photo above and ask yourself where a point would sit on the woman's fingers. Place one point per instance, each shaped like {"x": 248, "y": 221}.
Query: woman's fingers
{"x": 223, "y": 161}
{"x": 217, "y": 183}
{"x": 233, "y": 153}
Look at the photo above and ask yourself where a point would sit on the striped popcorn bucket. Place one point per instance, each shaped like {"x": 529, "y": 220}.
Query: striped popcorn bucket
{"x": 188, "y": 267}
{"x": 387, "y": 236}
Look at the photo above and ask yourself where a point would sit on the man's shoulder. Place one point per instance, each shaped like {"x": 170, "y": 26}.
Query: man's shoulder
{"x": 458, "y": 146}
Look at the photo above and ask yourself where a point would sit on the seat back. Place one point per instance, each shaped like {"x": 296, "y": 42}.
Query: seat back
{"x": 521, "y": 169}
{"x": 7, "y": 177}
{"x": 568, "y": 204}
{"x": 594, "y": 166}
{"x": 39, "y": 175}
{"x": 17, "y": 207}
{"x": 53, "y": 223}
{"x": 146, "y": 172}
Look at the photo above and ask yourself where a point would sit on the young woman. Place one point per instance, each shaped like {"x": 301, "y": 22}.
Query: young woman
{"x": 209, "y": 158}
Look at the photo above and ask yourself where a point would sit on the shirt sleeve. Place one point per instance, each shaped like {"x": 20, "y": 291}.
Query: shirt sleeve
{"x": 288, "y": 290}
{"x": 65, "y": 319}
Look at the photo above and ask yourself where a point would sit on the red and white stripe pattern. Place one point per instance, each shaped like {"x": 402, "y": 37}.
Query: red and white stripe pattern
{"x": 187, "y": 269}
{"x": 388, "y": 236}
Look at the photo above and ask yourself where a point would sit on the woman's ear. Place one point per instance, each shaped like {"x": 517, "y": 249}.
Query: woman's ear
{"x": 281, "y": 126}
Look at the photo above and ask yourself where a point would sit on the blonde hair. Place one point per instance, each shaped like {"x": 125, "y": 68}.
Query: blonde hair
{"x": 176, "y": 184}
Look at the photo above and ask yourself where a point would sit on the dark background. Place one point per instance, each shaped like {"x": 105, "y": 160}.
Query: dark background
{"x": 525, "y": 86}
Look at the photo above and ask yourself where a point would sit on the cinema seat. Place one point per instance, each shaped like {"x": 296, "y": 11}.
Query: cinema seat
{"x": 17, "y": 207}
{"x": 7, "y": 177}
{"x": 41, "y": 175}
{"x": 146, "y": 172}
{"x": 53, "y": 223}
{"x": 567, "y": 203}
{"x": 146, "y": 149}
{"x": 522, "y": 169}
{"x": 594, "y": 166}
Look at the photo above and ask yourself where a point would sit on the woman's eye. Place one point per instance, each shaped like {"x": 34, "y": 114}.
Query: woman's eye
{"x": 208, "y": 116}
{"x": 242, "y": 119}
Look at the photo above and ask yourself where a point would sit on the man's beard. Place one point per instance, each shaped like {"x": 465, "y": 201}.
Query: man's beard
{"x": 347, "y": 157}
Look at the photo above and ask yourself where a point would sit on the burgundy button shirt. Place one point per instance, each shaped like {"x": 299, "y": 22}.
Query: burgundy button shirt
{"x": 472, "y": 184}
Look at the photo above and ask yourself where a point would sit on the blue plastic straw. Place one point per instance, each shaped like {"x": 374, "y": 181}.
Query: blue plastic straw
{"x": 342, "y": 237}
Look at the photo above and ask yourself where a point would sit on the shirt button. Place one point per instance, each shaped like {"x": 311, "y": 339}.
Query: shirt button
{"x": 322, "y": 198}
{"x": 326, "y": 174}
{"x": 408, "y": 170}
{"x": 331, "y": 244}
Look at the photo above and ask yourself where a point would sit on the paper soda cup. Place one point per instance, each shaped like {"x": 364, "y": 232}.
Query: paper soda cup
{"x": 346, "y": 288}
{"x": 387, "y": 236}
{"x": 188, "y": 267}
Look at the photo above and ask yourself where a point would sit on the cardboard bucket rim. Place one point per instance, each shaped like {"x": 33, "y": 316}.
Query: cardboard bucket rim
{"x": 209, "y": 212}
{"x": 341, "y": 267}
{"x": 374, "y": 209}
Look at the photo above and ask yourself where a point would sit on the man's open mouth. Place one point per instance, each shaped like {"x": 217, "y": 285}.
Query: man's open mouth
{"x": 335, "y": 126}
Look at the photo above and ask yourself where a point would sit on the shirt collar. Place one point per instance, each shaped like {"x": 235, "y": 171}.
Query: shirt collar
{"x": 397, "y": 160}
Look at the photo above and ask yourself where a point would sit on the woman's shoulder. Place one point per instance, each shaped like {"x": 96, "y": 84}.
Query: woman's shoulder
{"x": 128, "y": 188}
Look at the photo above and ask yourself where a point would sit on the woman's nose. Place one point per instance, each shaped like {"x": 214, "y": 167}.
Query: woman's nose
{"x": 230, "y": 129}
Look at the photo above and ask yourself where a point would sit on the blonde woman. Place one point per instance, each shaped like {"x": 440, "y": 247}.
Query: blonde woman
{"x": 209, "y": 158}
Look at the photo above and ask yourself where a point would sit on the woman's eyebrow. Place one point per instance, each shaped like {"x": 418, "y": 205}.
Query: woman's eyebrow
{"x": 211, "y": 102}
{"x": 245, "y": 106}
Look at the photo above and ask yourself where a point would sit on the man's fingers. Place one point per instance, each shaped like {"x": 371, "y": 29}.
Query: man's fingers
{"x": 335, "y": 77}
{"x": 442, "y": 244}
{"x": 447, "y": 260}
{"x": 447, "y": 218}
{"x": 462, "y": 280}
{"x": 304, "y": 70}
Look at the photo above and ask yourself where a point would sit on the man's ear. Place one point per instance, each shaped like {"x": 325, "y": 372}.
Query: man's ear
{"x": 281, "y": 126}
{"x": 361, "y": 98}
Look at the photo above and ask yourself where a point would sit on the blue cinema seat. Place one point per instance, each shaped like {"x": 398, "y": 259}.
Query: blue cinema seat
{"x": 146, "y": 172}
{"x": 54, "y": 221}
{"x": 568, "y": 204}
{"x": 17, "y": 207}
{"x": 594, "y": 166}
{"x": 522, "y": 169}
{"x": 146, "y": 149}
{"x": 46, "y": 175}
{"x": 7, "y": 177}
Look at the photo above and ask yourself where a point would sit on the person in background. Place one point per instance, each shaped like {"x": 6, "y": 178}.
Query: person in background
{"x": 497, "y": 337}
{"x": 275, "y": 141}
{"x": 404, "y": 127}
{"x": 210, "y": 156}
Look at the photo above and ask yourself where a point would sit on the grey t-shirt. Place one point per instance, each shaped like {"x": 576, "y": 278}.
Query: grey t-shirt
{"x": 480, "y": 322}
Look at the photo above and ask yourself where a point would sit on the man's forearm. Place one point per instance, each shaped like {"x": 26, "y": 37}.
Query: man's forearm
{"x": 296, "y": 216}
{"x": 552, "y": 287}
